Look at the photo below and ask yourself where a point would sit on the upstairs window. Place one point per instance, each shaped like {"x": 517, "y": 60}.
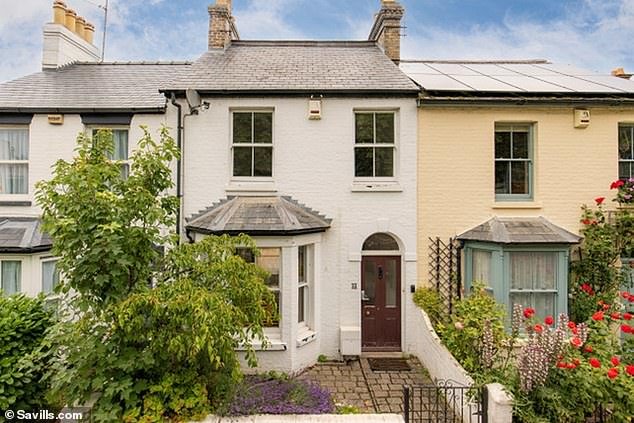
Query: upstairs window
{"x": 374, "y": 144}
{"x": 252, "y": 144}
{"x": 120, "y": 150}
{"x": 513, "y": 162}
{"x": 626, "y": 151}
{"x": 14, "y": 160}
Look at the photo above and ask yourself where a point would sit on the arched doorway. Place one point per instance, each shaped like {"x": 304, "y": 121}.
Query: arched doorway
{"x": 381, "y": 294}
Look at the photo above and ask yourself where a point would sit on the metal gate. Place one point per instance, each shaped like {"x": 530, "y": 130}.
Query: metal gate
{"x": 446, "y": 401}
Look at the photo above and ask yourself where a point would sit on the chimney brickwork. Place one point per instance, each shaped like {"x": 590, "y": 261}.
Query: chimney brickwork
{"x": 386, "y": 30}
{"x": 222, "y": 27}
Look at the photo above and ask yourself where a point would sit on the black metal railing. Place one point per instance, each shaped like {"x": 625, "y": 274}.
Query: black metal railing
{"x": 446, "y": 401}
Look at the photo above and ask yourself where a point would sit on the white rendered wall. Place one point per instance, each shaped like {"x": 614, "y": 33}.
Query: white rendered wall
{"x": 47, "y": 144}
{"x": 313, "y": 162}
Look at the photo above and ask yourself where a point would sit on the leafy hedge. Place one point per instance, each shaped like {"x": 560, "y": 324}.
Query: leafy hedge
{"x": 23, "y": 323}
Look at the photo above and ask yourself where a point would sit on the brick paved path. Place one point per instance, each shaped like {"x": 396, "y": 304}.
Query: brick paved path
{"x": 355, "y": 384}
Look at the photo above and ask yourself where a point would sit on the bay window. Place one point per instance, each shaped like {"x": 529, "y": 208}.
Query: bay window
{"x": 533, "y": 276}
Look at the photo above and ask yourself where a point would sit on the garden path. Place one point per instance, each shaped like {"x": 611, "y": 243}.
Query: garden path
{"x": 355, "y": 384}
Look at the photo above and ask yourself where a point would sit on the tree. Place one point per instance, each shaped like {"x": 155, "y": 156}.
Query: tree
{"x": 155, "y": 337}
{"x": 105, "y": 227}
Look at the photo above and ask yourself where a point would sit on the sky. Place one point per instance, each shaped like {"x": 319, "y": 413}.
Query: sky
{"x": 592, "y": 34}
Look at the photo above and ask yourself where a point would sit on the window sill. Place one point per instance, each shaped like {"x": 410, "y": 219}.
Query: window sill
{"x": 305, "y": 336}
{"x": 274, "y": 345}
{"x": 516, "y": 205}
{"x": 267, "y": 186}
{"x": 376, "y": 186}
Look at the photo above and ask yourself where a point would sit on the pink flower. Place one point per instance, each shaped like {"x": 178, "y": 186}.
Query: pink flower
{"x": 627, "y": 316}
{"x": 630, "y": 369}
{"x": 615, "y": 361}
{"x": 594, "y": 362}
{"x": 549, "y": 320}
{"x": 576, "y": 342}
{"x": 459, "y": 325}
{"x": 538, "y": 328}
{"x": 529, "y": 312}
{"x": 599, "y": 200}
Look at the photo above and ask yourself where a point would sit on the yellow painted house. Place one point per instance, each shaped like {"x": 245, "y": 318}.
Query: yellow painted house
{"x": 507, "y": 154}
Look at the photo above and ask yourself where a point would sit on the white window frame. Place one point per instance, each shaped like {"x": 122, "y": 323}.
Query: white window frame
{"x": 374, "y": 145}
{"x": 308, "y": 286}
{"x": 91, "y": 132}
{"x": 629, "y": 126}
{"x": 252, "y": 144}
{"x": 510, "y": 127}
{"x": 20, "y": 287}
{"x": 19, "y": 162}
{"x": 42, "y": 262}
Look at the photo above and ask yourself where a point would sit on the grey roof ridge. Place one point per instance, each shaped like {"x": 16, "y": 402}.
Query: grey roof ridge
{"x": 131, "y": 62}
{"x": 480, "y": 62}
{"x": 303, "y": 43}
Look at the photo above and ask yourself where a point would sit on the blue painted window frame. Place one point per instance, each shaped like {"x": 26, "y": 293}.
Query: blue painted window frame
{"x": 500, "y": 270}
{"x": 510, "y": 126}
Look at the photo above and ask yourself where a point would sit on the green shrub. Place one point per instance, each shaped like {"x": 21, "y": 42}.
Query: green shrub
{"x": 23, "y": 323}
{"x": 463, "y": 333}
{"x": 168, "y": 352}
{"x": 429, "y": 300}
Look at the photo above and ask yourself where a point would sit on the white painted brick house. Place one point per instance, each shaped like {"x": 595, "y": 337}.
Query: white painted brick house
{"x": 309, "y": 147}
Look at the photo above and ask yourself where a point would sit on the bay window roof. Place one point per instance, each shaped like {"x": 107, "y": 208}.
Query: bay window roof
{"x": 531, "y": 230}
{"x": 274, "y": 215}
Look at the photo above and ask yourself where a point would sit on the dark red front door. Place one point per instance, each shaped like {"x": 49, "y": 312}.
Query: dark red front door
{"x": 381, "y": 303}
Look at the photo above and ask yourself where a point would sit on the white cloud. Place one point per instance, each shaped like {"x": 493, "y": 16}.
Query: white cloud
{"x": 268, "y": 20}
{"x": 596, "y": 35}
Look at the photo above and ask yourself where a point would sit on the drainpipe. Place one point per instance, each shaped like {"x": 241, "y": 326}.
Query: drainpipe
{"x": 459, "y": 249}
{"x": 179, "y": 141}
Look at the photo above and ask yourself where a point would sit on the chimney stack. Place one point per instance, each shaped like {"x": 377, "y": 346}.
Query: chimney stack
{"x": 620, "y": 72}
{"x": 386, "y": 30}
{"x": 222, "y": 28}
{"x": 67, "y": 39}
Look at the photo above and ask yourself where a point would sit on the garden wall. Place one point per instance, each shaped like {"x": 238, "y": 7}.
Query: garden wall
{"x": 442, "y": 366}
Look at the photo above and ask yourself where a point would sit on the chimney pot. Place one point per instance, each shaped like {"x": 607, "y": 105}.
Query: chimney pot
{"x": 80, "y": 27}
{"x": 89, "y": 32}
{"x": 59, "y": 12}
{"x": 70, "y": 19}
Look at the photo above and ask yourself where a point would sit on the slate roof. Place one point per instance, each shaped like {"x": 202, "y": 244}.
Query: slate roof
{"x": 81, "y": 87}
{"x": 258, "y": 216}
{"x": 536, "y": 230}
{"x": 22, "y": 235}
{"x": 295, "y": 66}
